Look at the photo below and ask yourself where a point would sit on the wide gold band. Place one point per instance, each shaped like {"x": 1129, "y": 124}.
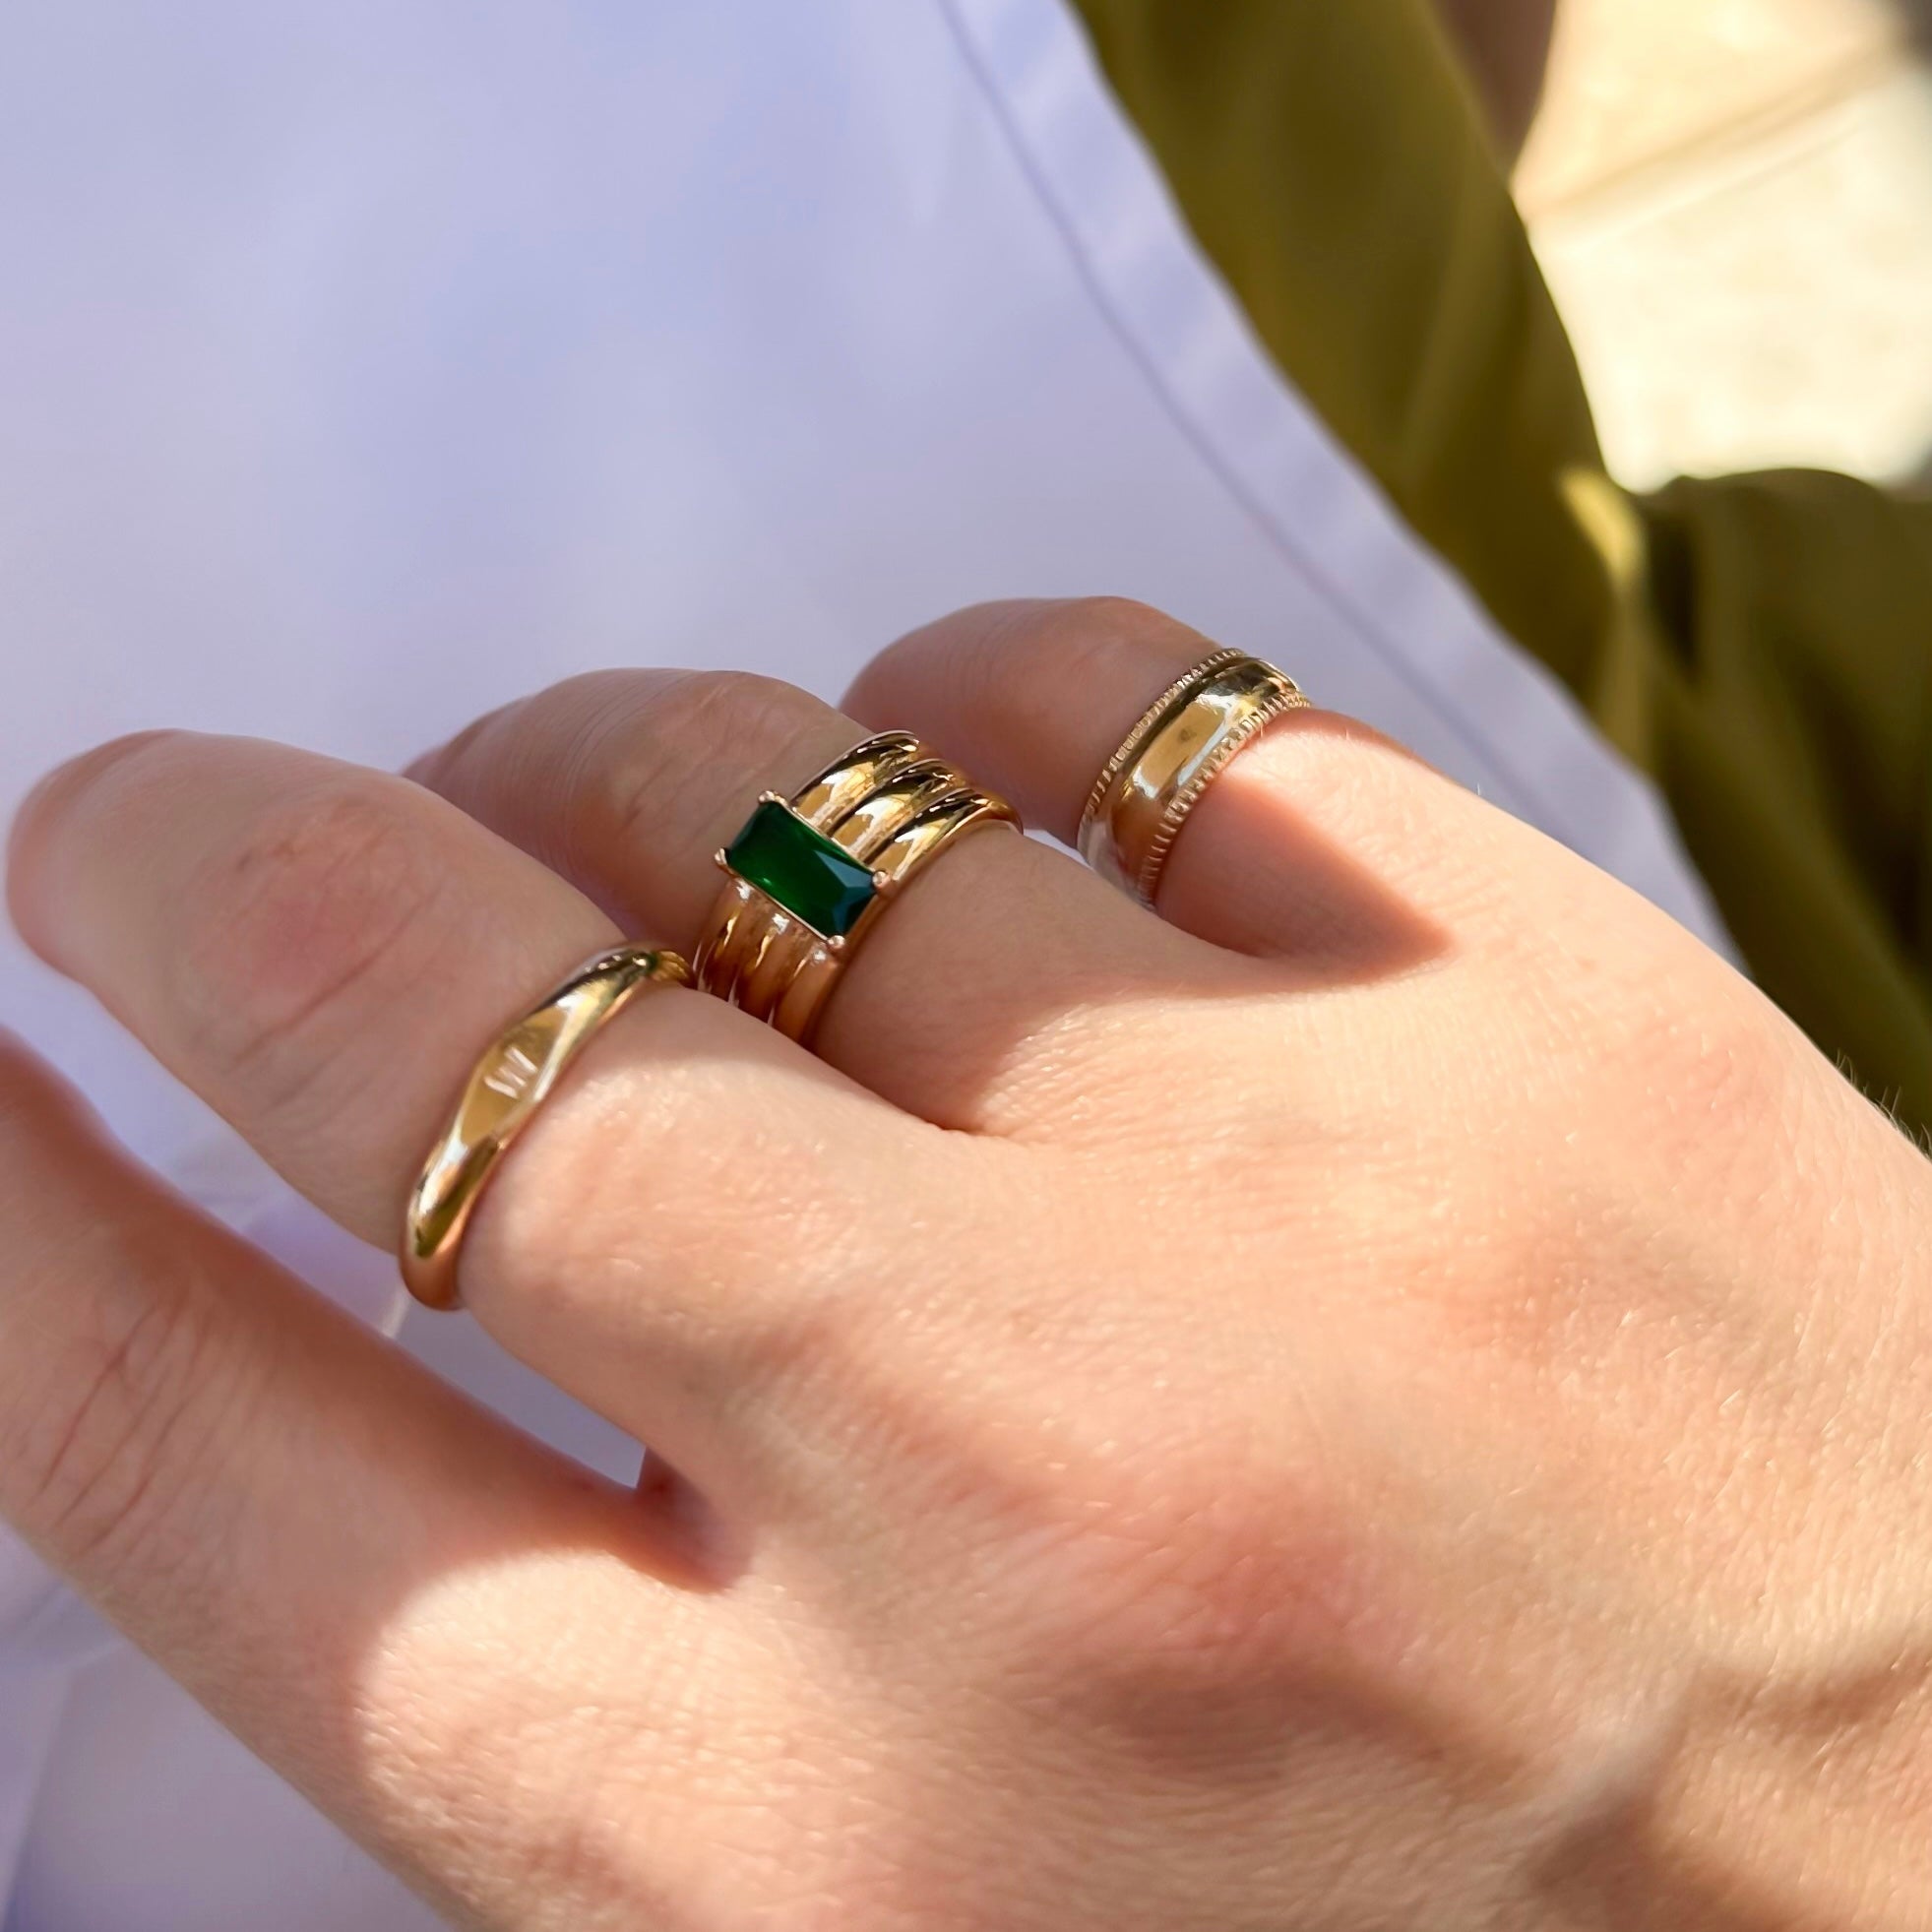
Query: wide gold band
{"x": 1182, "y": 742}
{"x": 509, "y": 1084}
{"x": 884, "y": 811}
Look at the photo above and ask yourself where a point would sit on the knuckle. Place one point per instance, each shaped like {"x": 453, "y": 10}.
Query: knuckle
{"x": 285, "y": 931}
{"x": 581, "y": 1222}
{"x": 1730, "y": 1072}
{"x": 1199, "y": 1580}
{"x": 105, "y": 1452}
{"x": 1104, "y": 645}
{"x": 651, "y": 768}
{"x": 460, "y": 1727}
{"x": 727, "y": 704}
{"x": 1116, "y": 615}
{"x": 1153, "y": 1586}
{"x": 686, "y": 721}
{"x": 1725, "y": 1100}
{"x": 739, "y": 708}
{"x": 1632, "y": 1086}
{"x": 1693, "y": 1070}
{"x": 621, "y": 1178}
{"x": 1087, "y": 632}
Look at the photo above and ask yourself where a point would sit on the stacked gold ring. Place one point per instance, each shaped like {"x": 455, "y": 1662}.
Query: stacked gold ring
{"x": 1181, "y": 743}
{"x": 807, "y": 875}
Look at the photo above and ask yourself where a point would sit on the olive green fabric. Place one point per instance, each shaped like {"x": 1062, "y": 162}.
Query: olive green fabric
{"x": 1760, "y": 645}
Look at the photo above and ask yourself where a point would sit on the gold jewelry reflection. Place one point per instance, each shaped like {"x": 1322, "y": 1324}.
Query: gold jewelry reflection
{"x": 1183, "y": 741}
{"x": 510, "y": 1082}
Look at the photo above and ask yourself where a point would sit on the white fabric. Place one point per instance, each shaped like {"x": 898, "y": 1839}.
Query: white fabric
{"x": 365, "y": 364}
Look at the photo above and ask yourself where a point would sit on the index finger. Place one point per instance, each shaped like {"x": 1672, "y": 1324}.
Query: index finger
{"x": 340, "y": 1556}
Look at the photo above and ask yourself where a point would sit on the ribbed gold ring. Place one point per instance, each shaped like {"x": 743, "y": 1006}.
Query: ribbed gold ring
{"x": 807, "y": 875}
{"x": 1181, "y": 744}
{"x": 509, "y": 1084}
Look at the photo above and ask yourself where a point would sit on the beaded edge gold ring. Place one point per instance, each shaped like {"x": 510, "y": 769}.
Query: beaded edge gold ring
{"x": 807, "y": 875}
{"x": 510, "y": 1082}
{"x": 1182, "y": 742}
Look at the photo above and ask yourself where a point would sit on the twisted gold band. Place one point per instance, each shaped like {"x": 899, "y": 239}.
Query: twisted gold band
{"x": 509, "y": 1084}
{"x": 1181, "y": 744}
{"x": 807, "y": 877}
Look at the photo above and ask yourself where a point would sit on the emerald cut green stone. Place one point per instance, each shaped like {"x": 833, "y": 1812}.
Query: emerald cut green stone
{"x": 802, "y": 870}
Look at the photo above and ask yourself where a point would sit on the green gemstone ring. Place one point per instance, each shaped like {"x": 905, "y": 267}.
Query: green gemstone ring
{"x": 807, "y": 875}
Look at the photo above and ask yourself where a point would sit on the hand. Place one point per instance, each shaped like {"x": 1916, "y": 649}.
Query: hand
{"x": 1392, "y": 1398}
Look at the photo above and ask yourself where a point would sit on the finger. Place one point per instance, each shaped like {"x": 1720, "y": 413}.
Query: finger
{"x": 349, "y": 1564}
{"x": 1323, "y": 840}
{"x": 962, "y": 1003}
{"x": 315, "y": 949}
{"x": 322, "y": 952}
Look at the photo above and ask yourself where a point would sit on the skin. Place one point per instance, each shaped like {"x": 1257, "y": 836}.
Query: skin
{"x": 1389, "y": 1394}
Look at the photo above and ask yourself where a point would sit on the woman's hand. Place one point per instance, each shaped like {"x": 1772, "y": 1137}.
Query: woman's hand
{"x": 1393, "y": 1398}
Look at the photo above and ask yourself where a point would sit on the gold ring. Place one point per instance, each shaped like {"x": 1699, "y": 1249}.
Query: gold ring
{"x": 806, "y": 876}
{"x": 510, "y": 1082}
{"x": 1182, "y": 743}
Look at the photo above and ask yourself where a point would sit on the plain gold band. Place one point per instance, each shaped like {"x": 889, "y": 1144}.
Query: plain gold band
{"x": 1183, "y": 741}
{"x": 508, "y": 1085}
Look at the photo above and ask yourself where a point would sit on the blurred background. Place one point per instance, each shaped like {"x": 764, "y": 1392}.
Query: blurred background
{"x": 1732, "y": 201}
